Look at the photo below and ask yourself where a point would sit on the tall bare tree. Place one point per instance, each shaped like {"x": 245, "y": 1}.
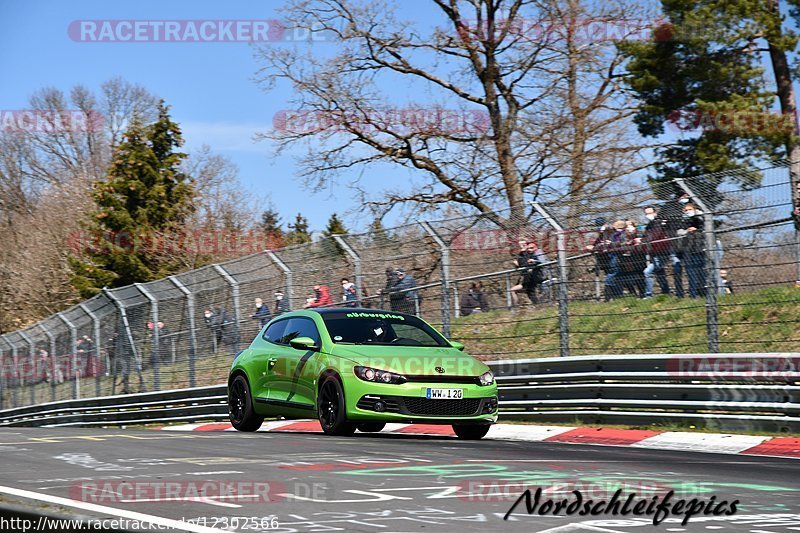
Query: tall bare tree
{"x": 541, "y": 88}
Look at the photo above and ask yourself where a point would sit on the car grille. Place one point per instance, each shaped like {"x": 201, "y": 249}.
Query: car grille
{"x": 425, "y": 407}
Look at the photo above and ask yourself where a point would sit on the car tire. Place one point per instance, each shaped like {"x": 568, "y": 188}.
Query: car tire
{"x": 240, "y": 406}
{"x": 331, "y": 409}
{"x": 471, "y": 432}
{"x": 371, "y": 427}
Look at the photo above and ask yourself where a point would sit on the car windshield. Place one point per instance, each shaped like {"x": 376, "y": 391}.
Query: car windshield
{"x": 380, "y": 329}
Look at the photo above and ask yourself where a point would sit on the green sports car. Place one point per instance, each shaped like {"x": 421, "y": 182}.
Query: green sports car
{"x": 359, "y": 369}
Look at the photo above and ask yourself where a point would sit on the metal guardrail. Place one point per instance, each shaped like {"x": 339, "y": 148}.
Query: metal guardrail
{"x": 746, "y": 392}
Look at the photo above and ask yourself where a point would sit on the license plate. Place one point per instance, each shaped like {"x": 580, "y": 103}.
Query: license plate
{"x": 444, "y": 394}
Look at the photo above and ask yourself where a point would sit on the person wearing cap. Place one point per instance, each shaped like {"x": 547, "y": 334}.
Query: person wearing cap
{"x": 402, "y": 297}
{"x": 281, "y": 304}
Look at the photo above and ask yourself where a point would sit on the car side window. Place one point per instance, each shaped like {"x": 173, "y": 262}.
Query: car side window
{"x": 300, "y": 327}
{"x": 275, "y": 331}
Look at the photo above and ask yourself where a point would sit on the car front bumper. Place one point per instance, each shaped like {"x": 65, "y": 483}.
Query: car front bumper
{"x": 407, "y": 403}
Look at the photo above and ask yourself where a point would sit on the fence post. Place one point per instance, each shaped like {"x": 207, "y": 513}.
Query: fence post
{"x": 136, "y": 357}
{"x": 156, "y": 352}
{"x": 356, "y": 265}
{"x": 73, "y": 336}
{"x": 456, "y": 301}
{"x": 97, "y": 341}
{"x": 287, "y": 272}
{"x": 445, "y": 251}
{"x": 237, "y": 313}
{"x": 711, "y": 267}
{"x": 509, "y": 296}
{"x": 563, "y": 272}
{"x": 15, "y": 383}
{"x": 192, "y": 333}
{"x": 52, "y": 358}
{"x": 32, "y": 370}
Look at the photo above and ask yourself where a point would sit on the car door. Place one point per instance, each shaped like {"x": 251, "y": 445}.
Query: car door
{"x": 295, "y": 369}
{"x": 267, "y": 358}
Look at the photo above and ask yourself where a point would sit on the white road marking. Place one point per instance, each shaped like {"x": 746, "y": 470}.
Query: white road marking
{"x": 110, "y": 511}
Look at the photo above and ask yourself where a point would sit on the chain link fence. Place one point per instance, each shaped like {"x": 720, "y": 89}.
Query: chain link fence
{"x": 716, "y": 270}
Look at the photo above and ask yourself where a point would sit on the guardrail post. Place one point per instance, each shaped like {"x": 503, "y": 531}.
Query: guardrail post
{"x": 445, "y": 251}
{"x": 563, "y": 272}
{"x": 156, "y": 352}
{"x": 3, "y": 386}
{"x": 97, "y": 342}
{"x": 287, "y": 272}
{"x": 73, "y": 336}
{"x": 711, "y": 268}
{"x": 125, "y": 324}
{"x": 237, "y": 313}
{"x": 356, "y": 265}
{"x": 192, "y": 332}
{"x": 52, "y": 358}
{"x": 31, "y": 352}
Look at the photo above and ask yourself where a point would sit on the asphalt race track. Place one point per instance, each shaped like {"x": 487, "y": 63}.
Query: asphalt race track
{"x": 310, "y": 482}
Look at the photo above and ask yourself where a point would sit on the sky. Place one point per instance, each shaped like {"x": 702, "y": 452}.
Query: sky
{"x": 209, "y": 86}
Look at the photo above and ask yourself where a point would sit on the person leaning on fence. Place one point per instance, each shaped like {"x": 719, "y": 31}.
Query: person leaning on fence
{"x": 349, "y": 293}
{"x": 261, "y": 313}
{"x": 656, "y": 246}
{"x": 632, "y": 260}
{"x": 402, "y": 296}
{"x": 517, "y": 287}
{"x": 694, "y": 250}
{"x": 474, "y": 300}
{"x": 322, "y": 297}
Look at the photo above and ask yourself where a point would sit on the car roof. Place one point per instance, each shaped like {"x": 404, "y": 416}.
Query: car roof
{"x": 328, "y": 310}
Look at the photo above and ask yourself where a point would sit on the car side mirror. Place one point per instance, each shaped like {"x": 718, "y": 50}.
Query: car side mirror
{"x": 457, "y": 345}
{"x": 304, "y": 343}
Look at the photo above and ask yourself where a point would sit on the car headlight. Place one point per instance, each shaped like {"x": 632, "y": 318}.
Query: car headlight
{"x": 378, "y": 376}
{"x": 486, "y": 379}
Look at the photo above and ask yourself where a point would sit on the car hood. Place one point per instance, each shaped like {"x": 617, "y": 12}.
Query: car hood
{"x": 414, "y": 361}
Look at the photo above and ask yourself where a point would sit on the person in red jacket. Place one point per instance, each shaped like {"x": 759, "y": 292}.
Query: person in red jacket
{"x": 322, "y": 297}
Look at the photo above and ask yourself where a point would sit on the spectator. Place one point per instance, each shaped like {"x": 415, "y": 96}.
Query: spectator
{"x": 281, "y": 304}
{"x": 402, "y": 297}
{"x": 261, "y": 313}
{"x": 599, "y": 248}
{"x": 523, "y": 248}
{"x": 693, "y": 250}
{"x": 656, "y": 246}
{"x": 725, "y": 285}
{"x": 611, "y": 247}
{"x": 349, "y": 293}
{"x": 672, "y": 213}
{"x": 365, "y": 302}
{"x": 163, "y": 342}
{"x": 322, "y": 297}
{"x": 223, "y": 327}
{"x": 533, "y": 261}
{"x": 632, "y": 260}
{"x": 87, "y": 353}
{"x": 474, "y": 300}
